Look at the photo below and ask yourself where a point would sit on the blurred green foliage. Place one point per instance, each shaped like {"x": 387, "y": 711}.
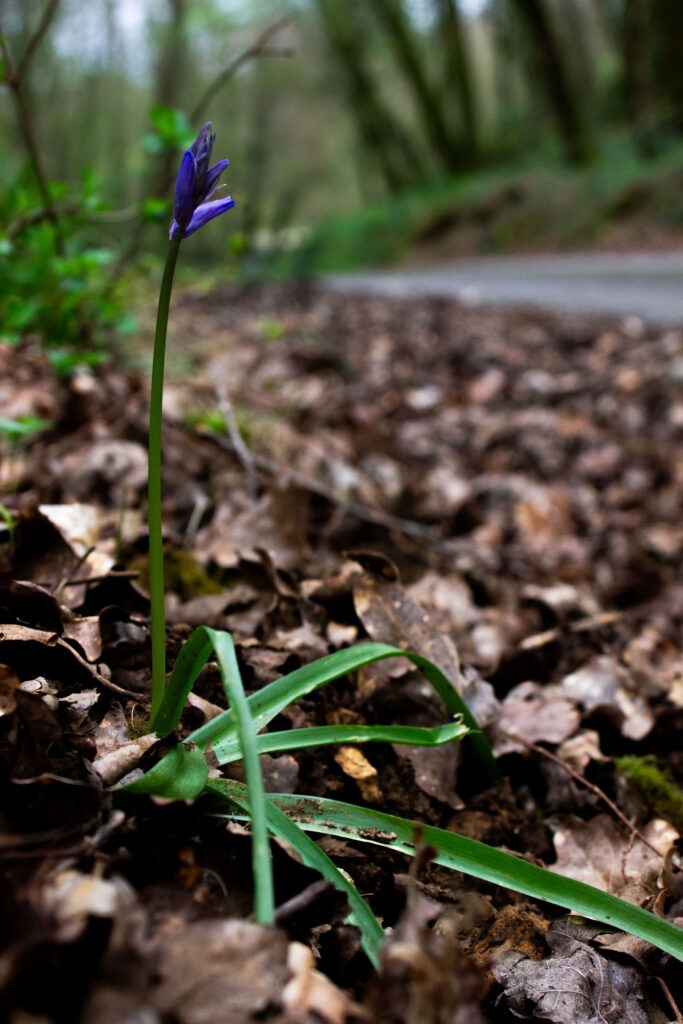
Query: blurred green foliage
{"x": 172, "y": 131}
{"x": 66, "y": 296}
{"x": 16, "y": 432}
{"x": 537, "y": 203}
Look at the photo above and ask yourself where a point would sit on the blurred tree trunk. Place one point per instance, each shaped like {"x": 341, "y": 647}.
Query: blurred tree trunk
{"x": 511, "y": 128}
{"x": 382, "y": 138}
{"x": 576, "y": 38}
{"x": 173, "y": 59}
{"x": 438, "y": 130}
{"x": 548, "y": 63}
{"x": 667, "y": 58}
{"x": 636, "y": 73}
{"x": 458, "y": 86}
{"x": 171, "y": 65}
{"x": 258, "y": 154}
{"x": 649, "y": 38}
{"x": 116, "y": 137}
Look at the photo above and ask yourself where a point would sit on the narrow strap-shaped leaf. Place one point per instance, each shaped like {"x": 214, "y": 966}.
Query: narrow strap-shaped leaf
{"x": 168, "y": 774}
{"x": 268, "y": 702}
{"x": 283, "y": 827}
{"x": 333, "y": 817}
{"x": 264, "y": 902}
{"x": 299, "y": 739}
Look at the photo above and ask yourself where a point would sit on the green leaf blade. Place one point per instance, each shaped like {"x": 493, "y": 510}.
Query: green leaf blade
{"x": 264, "y": 900}
{"x": 192, "y": 658}
{"x": 270, "y": 701}
{"x": 332, "y": 817}
{"x": 324, "y": 735}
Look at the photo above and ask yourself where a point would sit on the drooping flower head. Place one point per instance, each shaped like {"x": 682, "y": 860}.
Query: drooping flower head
{"x": 194, "y": 187}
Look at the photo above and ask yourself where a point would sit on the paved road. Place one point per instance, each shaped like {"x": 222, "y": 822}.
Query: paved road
{"x": 647, "y": 285}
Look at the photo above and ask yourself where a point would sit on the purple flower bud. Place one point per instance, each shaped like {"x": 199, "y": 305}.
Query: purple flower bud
{"x": 194, "y": 187}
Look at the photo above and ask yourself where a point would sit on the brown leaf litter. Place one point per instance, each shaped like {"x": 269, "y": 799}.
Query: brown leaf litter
{"x": 499, "y": 491}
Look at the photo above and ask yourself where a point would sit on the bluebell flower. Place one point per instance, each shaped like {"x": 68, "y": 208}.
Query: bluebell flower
{"x": 194, "y": 187}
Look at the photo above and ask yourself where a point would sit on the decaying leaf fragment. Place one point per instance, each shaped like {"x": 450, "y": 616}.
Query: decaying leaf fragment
{"x": 309, "y": 992}
{"x": 391, "y": 616}
{"x": 576, "y": 984}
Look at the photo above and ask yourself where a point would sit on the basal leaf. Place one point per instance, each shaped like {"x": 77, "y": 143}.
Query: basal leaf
{"x": 180, "y": 775}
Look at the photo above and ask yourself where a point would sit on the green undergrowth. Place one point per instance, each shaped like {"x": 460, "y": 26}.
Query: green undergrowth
{"x": 537, "y": 206}
{"x": 213, "y": 420}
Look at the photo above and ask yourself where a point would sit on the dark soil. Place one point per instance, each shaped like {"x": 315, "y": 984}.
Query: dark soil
{"x": 499, "y": 491}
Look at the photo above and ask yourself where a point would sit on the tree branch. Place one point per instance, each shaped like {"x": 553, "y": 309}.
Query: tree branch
{"x": 14, "y": 78}
{"x": 37, "y": 37}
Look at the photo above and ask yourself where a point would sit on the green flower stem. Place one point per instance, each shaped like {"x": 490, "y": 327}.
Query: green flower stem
{"x": 156, "y": 544}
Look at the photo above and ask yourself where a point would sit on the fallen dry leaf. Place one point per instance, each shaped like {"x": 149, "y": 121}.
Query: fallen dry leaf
{"x": 509, "y": 484}
{"x": 577, "y": 984}
{"x": 602, "y": 853}
{"x": 537, "y": 714}
{"x": 603, "y": 684}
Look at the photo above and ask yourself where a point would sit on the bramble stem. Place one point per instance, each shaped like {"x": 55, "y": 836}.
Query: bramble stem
{"x": 156, "y": 543}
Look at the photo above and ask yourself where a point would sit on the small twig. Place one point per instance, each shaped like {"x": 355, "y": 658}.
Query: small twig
{"x": 302, "y": 901}
{"x": 33, "y": 217}
{"x": 582, "y": 780}
{"x": 57, "y": 590}
{"x": 670, "y": 999}
{"x": 115, "y": 574}
{"x": 227, "y": 411}
{"x": 29, "y": 780}
{"x": 548, "y": 636}
{"x": 37, "y": 37}
{"x": 95, "y": 675}
{"x": 201, "y": 503}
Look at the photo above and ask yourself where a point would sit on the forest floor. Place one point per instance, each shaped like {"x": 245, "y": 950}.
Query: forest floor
{"x": 499, "y": 491}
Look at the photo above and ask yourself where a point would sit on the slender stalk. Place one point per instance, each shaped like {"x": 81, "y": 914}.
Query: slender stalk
{"x": 156, "y": 549}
